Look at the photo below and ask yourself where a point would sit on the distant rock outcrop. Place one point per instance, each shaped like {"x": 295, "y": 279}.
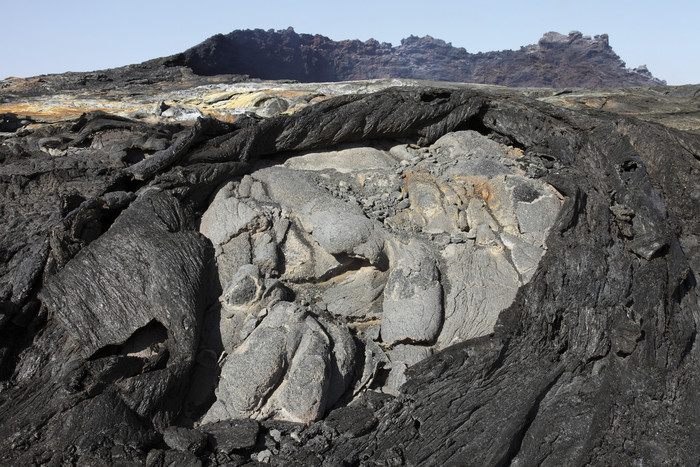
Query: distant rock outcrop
{"x": 555, "y": 61}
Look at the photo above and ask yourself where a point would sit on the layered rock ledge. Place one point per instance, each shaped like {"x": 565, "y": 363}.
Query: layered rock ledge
{"x": 557, "y": 60}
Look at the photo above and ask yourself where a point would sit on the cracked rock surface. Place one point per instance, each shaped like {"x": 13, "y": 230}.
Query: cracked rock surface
{"x": 413, "y": 276}
{"x": 428, "y": 244}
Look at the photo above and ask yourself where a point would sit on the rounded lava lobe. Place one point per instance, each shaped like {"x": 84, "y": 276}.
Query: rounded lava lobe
{"x": 436, "y": 272}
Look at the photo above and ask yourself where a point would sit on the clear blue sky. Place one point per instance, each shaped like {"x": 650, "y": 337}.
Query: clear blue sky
{"x": 53, "y": 36}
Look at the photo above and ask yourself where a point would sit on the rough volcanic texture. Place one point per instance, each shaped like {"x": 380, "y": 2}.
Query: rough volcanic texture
{"x": 555, "y": 61}
{"x": 161, "y": 281}
{"x": 393, "y": 248}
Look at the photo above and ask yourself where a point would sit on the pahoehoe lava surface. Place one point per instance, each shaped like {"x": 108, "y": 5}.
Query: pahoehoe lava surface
{"x": 108, "y": 293}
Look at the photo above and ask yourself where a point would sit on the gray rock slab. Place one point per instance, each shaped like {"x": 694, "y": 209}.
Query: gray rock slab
{"x": 244, "y": 303}
{"x": 356, "y": 294}
{"x": 301, "y": 397}
{"x": 482, "y": 283}
{"x": 525, "y": 255}
{"x": 263, "y": 358}
{"x": 346, "y": 160}
{"x": 537, "y": 217}
{"x": 289, "y": 188}
{"x": 233, "y": 254}
{"x": 402, "y": 152}
{"x": 303, "y": 259}
{"x": 409, "y": 354}
{"x": 435, "y": 204}
{"x": 292, "y": 368}
{"x": 412, "y": 306}
{"x": 265, "y": 255}
{"x": 469, "y": 143}
{"x": 340, "y": 231}
{"x": 396, "y": 378}
{"x": 338, "y": 226}
{"x": 226, "y": 218}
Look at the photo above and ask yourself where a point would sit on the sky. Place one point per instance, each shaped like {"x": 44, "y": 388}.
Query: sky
{"x": 55, "y": 36}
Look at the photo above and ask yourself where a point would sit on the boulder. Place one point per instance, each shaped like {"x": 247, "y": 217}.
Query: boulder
{"x": 338, "y": 226}
{"x": 356, "y": 294}
{"x": 226, "y": 218}
{"x": 292, "y": 364}
{"x": 232, "y": 435}
{"x": 412, "y": 305}
{"x": 185, "y": 439}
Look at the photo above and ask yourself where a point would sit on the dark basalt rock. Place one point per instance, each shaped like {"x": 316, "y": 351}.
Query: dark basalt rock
{"x": 229, "y": 436}
{"x": 106, "y": 286}
{"x": 555, "y": 61}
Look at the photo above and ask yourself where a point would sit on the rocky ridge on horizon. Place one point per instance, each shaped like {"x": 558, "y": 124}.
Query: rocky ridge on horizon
{"x": 557, "y": 60}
